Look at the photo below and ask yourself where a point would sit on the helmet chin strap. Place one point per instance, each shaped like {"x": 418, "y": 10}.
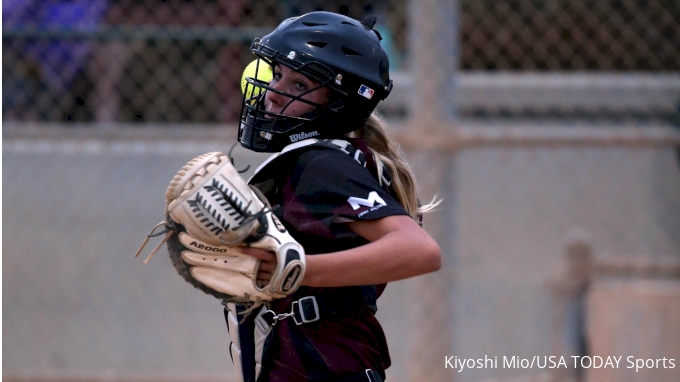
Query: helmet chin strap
{"x": 329, "y": 123}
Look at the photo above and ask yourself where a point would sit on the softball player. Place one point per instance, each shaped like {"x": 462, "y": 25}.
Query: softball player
{"x": 342, "y": 190}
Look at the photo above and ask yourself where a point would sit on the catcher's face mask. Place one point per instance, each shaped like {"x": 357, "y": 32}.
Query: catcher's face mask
{"x": 336, "y": 52}
{"x": 289, "y": 108}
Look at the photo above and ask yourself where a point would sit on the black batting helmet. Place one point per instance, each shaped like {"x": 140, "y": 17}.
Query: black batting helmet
{"x": 340, "y": 53}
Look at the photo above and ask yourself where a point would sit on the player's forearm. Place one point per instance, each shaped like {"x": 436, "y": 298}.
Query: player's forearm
{"x": 395, "y": 256}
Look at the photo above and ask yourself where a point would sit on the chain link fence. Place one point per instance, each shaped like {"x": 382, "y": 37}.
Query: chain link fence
{"x": 621, "y": 35}
{"x": 589, "y": 60}
{"x": 178, "y": 61}
{"x": 136, "y": 61}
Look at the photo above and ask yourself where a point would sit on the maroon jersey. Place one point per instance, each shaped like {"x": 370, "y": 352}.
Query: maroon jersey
{"x": 316, "y": 190}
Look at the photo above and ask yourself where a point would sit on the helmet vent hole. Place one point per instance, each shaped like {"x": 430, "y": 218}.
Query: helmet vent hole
{"x": 348, "y": 23}
{"x": 311, "y": 24}
{"x": 350, "y": 52}
{"x": 317, "y": 44}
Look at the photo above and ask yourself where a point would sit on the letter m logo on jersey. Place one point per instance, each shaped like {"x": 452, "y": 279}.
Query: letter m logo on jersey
{"x": 373, "y": 197}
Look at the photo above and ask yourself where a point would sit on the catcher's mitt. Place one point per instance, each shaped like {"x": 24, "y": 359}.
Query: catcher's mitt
{"x": 210, "y": 209}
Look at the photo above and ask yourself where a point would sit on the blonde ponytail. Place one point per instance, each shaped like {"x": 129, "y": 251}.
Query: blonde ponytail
{"x": 388, "y": 154}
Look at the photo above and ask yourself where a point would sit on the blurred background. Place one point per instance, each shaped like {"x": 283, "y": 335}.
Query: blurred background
{"x": 549, "y": 128}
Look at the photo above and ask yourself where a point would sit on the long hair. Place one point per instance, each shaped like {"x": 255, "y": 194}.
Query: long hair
{"x": 387, "y": 153}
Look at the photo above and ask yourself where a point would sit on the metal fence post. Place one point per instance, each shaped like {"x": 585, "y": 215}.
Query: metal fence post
{"x": 434, "y": 52}
{"x": 434, "y": 55}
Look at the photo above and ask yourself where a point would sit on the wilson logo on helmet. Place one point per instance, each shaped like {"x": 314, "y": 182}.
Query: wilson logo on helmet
{"x": 366, "y": 92}
{"x": 300, "y": 136}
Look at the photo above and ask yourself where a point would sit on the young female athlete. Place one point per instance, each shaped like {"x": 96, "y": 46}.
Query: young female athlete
{"x": 342, "y": 190}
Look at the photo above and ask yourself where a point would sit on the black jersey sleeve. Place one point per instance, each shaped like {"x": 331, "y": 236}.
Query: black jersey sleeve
{"x": 329, "y": 186}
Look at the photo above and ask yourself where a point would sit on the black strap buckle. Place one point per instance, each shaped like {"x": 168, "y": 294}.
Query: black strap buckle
{"x": 307, "y": 310}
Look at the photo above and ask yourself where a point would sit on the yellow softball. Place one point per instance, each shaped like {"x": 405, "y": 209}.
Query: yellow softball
{"x": 264, "y": 73}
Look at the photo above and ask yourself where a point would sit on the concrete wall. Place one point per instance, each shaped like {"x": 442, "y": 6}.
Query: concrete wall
{"x": 516, "y": 207}
{"x": 77, "y": 305}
